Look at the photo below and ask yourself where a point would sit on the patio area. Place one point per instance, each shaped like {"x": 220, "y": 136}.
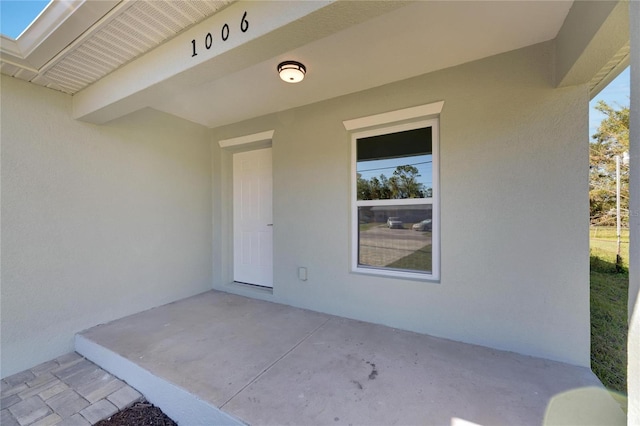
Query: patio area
{"x": 218, "y": 358}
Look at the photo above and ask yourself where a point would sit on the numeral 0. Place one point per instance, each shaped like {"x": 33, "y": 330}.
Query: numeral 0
{"x": 225, "y": 32}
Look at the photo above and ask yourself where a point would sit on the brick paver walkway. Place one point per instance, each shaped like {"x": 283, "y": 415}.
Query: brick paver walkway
{"x": 69, "y": 390}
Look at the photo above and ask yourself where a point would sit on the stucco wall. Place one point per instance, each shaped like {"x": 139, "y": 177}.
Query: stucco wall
{"x": 98, "y": 222}
{"x": 514, "y": 209}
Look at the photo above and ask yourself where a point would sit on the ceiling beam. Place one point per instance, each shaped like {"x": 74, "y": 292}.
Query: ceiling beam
{"x": 593, "y": 32}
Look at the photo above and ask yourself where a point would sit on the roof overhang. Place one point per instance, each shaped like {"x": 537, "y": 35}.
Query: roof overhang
{"x": 593, "y": 44}
{"x": 347, "y": 46}
{"x": 59, "y": 25}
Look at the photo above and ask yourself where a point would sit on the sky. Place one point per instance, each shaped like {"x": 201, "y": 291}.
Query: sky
{"x": 16, "y": 15}
{"x": 375, "y": 168}
{"x": 615, "y": 94}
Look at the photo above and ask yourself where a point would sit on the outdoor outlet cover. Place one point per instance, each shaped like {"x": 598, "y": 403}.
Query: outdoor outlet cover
{"x": 302, "y": 273}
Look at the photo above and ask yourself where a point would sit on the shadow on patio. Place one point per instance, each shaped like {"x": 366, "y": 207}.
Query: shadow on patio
{"x": 217, "y": 358}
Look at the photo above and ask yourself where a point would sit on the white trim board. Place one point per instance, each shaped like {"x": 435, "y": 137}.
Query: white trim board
{"x": 247, "y": 140}
{"x": 420, "y": 111}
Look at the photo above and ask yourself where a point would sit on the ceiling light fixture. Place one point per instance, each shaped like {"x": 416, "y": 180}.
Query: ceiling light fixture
{"x": 291, "y": 71}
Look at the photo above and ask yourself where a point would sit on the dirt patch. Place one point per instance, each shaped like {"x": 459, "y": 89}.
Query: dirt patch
{"x": 139, "y": 414}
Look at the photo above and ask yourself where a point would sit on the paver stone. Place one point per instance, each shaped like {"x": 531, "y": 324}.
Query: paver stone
{"x": 103, "y": 390}
{"x": 99, "y": 411}
{"x": 29, "y": 392}
{"x": 29, "y": 410}
{"x": 8, "y": 401}
{"x": 45, "y": 367}
{"x": 42, "y": 378}
{"x": 53, "y": 391}
{"x": 50, "y": 420}
{"x": 6, "y": 419}
{"x": 8, "y": 390}
{"x": 124, "y": 397}
{"x": 63, "y": 373}
{"x": 75, "y": 420}
{"x": 86, "y": 377}
{"x": 68, "y": 359}
{"x": 21, "y": 377}
{"x": 67, "y": 403}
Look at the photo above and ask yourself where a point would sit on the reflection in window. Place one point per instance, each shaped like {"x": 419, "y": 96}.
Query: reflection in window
{"x": 396, "y": 237}
{"x": 394, "y": 192}
{"x": 395, "y": 166}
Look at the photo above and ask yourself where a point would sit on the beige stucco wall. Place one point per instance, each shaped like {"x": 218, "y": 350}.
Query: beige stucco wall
{"x": 98, "y": 222}
{"x": 514, "y": 209}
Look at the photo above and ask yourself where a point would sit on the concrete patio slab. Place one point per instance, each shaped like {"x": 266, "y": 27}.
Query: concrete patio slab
{"x": 247, "y": 361}
{"x": 235, "y": 338}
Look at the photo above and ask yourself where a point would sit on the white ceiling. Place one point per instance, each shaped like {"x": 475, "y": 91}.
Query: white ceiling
{"x": 351, "y": 53}
{"x": 75, "y": 43}
{"x": 413, "y": 40}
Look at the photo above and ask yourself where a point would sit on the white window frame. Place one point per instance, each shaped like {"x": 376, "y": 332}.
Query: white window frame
{"x": 388, "y": 121}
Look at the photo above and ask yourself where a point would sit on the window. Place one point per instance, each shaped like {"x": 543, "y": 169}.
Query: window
{"x": 394, "y": 201}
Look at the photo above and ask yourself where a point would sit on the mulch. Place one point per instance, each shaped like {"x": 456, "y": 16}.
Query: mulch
{"x": 139, "y": 414}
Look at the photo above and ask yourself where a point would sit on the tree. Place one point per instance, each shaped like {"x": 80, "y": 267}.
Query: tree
{"x": 375, "y": 188}
{"x": 611, "y": 139}
{"x": 385, "y": 189}
{"x": 364, "y": 192}
{"x": 407, "y": 183}
{"x": 403, "y": 184}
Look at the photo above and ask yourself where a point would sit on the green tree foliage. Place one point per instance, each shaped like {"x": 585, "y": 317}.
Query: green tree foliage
{"x": 402, "y": 184}
{"x": 611, "y": 139}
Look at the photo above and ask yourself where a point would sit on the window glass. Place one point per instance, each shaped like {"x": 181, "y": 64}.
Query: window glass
{"x": 394, "y": 196}
{"x": 395, "y": 166}
{"x": 395, "y": 237}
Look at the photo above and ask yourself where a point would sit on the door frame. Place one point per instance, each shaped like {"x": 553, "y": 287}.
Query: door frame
{"x": 222, "y": 213}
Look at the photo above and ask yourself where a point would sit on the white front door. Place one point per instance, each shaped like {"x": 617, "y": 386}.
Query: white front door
{"x": 253, "y": 218}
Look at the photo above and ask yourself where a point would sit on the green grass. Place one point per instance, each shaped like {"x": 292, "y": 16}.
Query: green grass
{"x": 608, "y": 233}
{"x": 367, "y": 226}
{"x": 606, "y": 250}
{"x": 609, "y": 292}
{"x": 603, "y": 244}
{"x": 609, "y": 328}
{"x": 419, "y": 260}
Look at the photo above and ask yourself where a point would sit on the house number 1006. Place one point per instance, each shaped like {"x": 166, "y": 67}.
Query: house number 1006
{"x": 224, "y": 35}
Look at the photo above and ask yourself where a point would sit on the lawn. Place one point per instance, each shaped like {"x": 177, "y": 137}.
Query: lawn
{"x": 609, "y": 292}
{"x": 603, "y": 244}
{"x": 420, "y": 260}
{"x": 366, "y": 226}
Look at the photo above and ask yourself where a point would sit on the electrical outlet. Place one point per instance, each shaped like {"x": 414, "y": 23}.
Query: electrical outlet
{"x": 302, "y": 273}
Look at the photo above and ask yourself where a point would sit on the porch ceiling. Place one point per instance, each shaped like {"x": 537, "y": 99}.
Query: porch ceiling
{"x": 412, "y": 40}
{"x": 346, "y": 46}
